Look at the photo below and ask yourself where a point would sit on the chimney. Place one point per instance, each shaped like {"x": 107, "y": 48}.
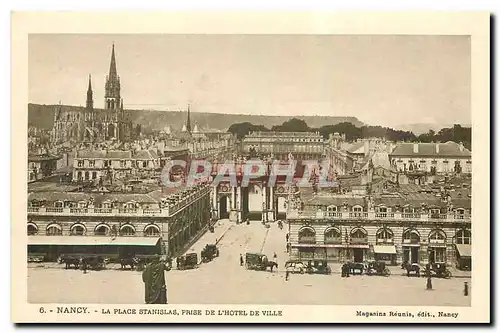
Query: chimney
{"x": 461, "y": 146}
{"x": 366, "y": 147}
{"x": 415, "y": 148}
{"x": 437, "y": 148}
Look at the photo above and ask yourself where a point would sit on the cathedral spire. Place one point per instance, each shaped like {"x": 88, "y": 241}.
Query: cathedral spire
{"x": 112, "y": 65}
{"x": 112, "y": 89}
{"x": 90, "y": 99}
{"x": 188, "y": 123}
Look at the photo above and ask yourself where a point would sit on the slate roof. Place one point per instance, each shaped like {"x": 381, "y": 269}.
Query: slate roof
{"x": 451, "y": 149}
{"x": 357, "y": 148}
{"x": 335, "y": 200}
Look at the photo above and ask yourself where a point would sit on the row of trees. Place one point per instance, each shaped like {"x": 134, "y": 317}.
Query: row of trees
{"x": 456, "y": 133}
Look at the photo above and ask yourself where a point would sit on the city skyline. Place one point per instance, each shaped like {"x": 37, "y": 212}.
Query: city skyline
{"x": 372, "y": 78}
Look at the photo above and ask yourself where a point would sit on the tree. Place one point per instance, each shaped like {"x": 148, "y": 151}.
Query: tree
{"x": 243, "y": 129}
{"x": 292, "y": 125}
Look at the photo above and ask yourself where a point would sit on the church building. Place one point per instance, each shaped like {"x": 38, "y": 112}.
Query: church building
{"x": 90, "y": 125}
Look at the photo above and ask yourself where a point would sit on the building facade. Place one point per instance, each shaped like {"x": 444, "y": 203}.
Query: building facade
{"x": 95, "y": 125}
{"x": 303, "y": 145}
{"x": 95, "y": 164}
{"x": 418, "y": 228}
{"x": 41, "y": 166}
{"x": 61, "y": 222}
{"x": 434, "y": 158}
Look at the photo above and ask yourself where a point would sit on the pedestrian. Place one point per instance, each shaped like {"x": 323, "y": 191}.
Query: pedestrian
{"x": 466, "y": 289}
{"x": 83, "y": 264}
{"x": 155, "y": 287}
{"x": 429, "y": 283}
{"x": 287, "y": 237}
{"x": 275, "y": 257}
{"x": 241, "y": 260}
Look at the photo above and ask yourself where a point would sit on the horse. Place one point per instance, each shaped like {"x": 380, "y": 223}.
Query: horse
{"x": 271, "y": 264}
{"x": 68, "y": 261}
{"x": 128, "y": 262}
{"x": 410, "y": 268}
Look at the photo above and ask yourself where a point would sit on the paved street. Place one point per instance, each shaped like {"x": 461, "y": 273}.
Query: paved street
{"x": 223, "y": 281}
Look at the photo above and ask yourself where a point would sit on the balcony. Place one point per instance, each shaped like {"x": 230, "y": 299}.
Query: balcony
{"x": 363, "y": 240}
{"x": 385, "y": 241}
{"x": 333, "y": 240}
{"x": 411, "y": 241}
{"x": 307, "y": 240}
{"x": 50, "y": 211}
{"x": 322, "y": 215}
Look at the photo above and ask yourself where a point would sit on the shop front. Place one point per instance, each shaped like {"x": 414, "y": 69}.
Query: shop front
{"x": 385, "y": 253}
{"x": 463, "y": 256}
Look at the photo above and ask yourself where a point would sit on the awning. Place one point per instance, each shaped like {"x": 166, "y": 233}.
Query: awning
{"x": 92, "y": 240}
{"x": 384, "y": 249}
{"x": 352, "y": 246}
{"x": 464, "y": 250}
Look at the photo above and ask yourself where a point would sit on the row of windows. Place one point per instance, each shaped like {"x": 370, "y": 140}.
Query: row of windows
{"x": 79, "y": 229}
{"x": 462, "y": 236}
{"x": 123, "y": 163}
{"x": 332, "y": 209}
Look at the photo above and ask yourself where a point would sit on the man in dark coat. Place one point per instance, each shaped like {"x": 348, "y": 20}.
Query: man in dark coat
{"x": 154, "y": 282}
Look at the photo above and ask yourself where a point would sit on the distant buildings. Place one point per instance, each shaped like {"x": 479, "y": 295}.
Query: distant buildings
{"x": 41, "y": 166}
{"x": 434, "y": 158}
{"x": 96, "y": 164}
{"x": 303, "y": 145}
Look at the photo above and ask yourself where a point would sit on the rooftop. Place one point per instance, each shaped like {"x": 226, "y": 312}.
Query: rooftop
{"x": 449, "y": 148}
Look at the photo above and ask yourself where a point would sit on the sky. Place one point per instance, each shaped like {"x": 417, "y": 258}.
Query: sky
{"x": 382, "y": 80}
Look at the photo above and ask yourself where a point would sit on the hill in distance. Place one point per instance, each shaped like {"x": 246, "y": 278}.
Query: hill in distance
{"x": 42, "y": 116}
{"x": 422, "y": 128}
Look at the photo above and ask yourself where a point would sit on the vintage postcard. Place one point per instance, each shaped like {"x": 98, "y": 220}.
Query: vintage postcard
{"x": 236, "y": 167}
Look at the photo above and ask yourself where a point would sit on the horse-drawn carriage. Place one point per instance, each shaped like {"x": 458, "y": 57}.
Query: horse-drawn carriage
{"x": 318, "y": 267}
{"x": 353, "y": 268}
{"x": 438, "y": 270}
{"x": 36, "y": 257}
{"x": 188, "y": 261}
{"x": 295, "y": 266}
{"x": 83, "y": 261}
{"x": 412, "y": 268}
{"x": 258, "y": 262}
{"x": 209, "y": 252}
{"x": 377, "y": 268}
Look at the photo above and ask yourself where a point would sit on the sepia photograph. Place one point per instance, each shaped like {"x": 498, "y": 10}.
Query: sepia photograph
{"x": 251, "y": 170}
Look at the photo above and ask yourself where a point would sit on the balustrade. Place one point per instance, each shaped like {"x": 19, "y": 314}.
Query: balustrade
{"x": 362, "y": 240}
{"x": 307, "y": 239}
{"x": 333, "y": 240}
{"x": 371, "y": 215}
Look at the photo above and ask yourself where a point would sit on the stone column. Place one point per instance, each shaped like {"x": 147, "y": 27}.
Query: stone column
{"x": 264, "y": 196}
{"x": 239, "y": 200}
{"x": 214, "y": 201}
{"x": 271, "y": 203}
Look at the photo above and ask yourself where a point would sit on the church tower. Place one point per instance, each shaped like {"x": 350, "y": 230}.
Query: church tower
{"x": 112, "y": 89}
{"x": 188, "y": 122}
{"x": 90, "y": 98}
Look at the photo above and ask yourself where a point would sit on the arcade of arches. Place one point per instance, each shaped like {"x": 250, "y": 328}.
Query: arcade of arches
{"x": 337, "y": 243}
